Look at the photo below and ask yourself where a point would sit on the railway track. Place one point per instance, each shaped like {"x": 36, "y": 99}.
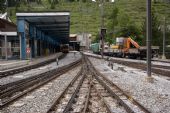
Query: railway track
{"x": 26, "y": 68}
{"x": 12, "y": 91}
{"x": 162, "y": 61}
{"x": 158, "y": 69}
{"x": 90, "y": 92}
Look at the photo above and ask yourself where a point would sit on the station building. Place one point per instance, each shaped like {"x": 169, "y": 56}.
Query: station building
{"x": 42, "y": 33}
{"x": 36, "y": 34}
{"x": 74, "y": 44}
{"x": 85, "y": 40}
{"x": 80, "y": 41}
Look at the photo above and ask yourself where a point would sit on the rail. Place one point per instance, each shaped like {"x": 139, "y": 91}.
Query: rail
{"x": 28, "y": 67}
{"x": 8, "y": 93}
{"x": 89, "y": 91}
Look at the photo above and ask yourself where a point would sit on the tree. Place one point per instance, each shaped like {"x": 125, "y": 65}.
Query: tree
{"x": 17, "y": 6}
{"x": 156, "y": 31}
{"x": 11, "y": 3}
{"x": 2, "y": 6}
{"x": 96, "y": 39}
{"x": 113, "y": 19}
{"x": 39, "y": 1}
{"x": 112, "y": 22}
{"x": 127, "y": 28}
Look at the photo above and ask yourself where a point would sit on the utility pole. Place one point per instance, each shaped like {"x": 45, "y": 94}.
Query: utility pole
{"x": 164, "y": 35}
{"x": 102, "y": 26}
{"x": 149, "y": 37}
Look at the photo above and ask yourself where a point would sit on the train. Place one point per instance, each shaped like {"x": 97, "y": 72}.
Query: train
{"x": 125, "y": 47}
{"x": 64, "y": 48}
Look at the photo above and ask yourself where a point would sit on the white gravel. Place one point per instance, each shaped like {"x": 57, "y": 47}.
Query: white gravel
{"x": 66, "y": 60}
{"x": 154, "y": 96}
{"x": 39, "y": 100}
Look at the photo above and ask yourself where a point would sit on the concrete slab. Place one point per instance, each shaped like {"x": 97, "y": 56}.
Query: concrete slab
{"x": 4, "y": 65}
{"x": 11, "y": 64}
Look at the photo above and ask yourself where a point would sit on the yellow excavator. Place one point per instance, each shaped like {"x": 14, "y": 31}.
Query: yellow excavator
{"x": 126, "y": 46}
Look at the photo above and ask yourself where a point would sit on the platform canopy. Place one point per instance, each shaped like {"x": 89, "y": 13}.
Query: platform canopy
{"x": 52, "y": 24}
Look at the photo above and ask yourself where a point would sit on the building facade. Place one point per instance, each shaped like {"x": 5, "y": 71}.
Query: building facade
{"x": 9, "y": 41}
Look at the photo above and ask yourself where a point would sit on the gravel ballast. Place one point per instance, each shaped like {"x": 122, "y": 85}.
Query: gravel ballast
{"x": 69, "y": 58}
{"x": 39, "y": 100}
{"x": 154, "y": 96}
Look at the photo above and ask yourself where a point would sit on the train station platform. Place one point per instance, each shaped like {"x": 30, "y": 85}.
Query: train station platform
{"x": 42, "y": 33}
{"x": 11, "y": 64}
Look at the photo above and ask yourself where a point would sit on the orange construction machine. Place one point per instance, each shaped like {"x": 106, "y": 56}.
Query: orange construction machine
{"x": 128, "y": 47}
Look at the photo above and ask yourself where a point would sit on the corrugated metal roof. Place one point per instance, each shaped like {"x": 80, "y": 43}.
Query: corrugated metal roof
{"x": 53, "y": 24}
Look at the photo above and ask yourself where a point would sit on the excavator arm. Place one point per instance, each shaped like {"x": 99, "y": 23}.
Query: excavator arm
{"x": 129, "y": 42}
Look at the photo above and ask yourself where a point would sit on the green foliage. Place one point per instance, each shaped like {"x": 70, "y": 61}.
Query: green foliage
{"x": 11, "y": 3}
{"x": 156, "y": 31}
{"x": 113, "y": 18}
{"x": 122, "y": 18}
{"x": 84, "y": 1}
{"x": 39, "y": 1}
{"x": 2, "y": 6}
{"x": 112, "y": 23}
{"x": 109, "y": 38}
{"x": 53, "y": 3}
{"x": 49, "y": 1}
{"x": 17, "y": 6}
{"x": 71, "y": 0}
{"x": 123, "y": 26}
{"x": 52, "y": 6}
{"x": 96, "y": 39}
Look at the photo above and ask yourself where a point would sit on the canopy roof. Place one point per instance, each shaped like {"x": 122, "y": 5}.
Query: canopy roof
{"x": 53, "y": 24}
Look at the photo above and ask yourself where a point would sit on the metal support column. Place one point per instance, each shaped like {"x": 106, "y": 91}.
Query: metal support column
{"x": 164, "y": 33}
{"x": 38, "y": 47}
{"x": 21, "y": 30}
{"x": 23, "y": 46}
{"x": 19, "y": 34}
{"x": 32, "y": 36}
{"x": 6, "y": 47}
{"x": 32, "y": 48}
{"x": 149, "y": 36}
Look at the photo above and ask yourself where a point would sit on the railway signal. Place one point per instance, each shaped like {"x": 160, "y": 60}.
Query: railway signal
{"x": 102, "y": 33}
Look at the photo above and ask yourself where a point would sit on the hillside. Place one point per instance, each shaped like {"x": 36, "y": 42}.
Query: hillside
{"x": 85, "y": 17}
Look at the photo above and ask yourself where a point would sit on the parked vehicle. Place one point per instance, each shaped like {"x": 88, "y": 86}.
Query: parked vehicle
{"x": 126, "y": 47}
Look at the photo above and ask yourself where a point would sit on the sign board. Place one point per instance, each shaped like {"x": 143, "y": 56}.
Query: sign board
{"x": 28, "y": 50}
